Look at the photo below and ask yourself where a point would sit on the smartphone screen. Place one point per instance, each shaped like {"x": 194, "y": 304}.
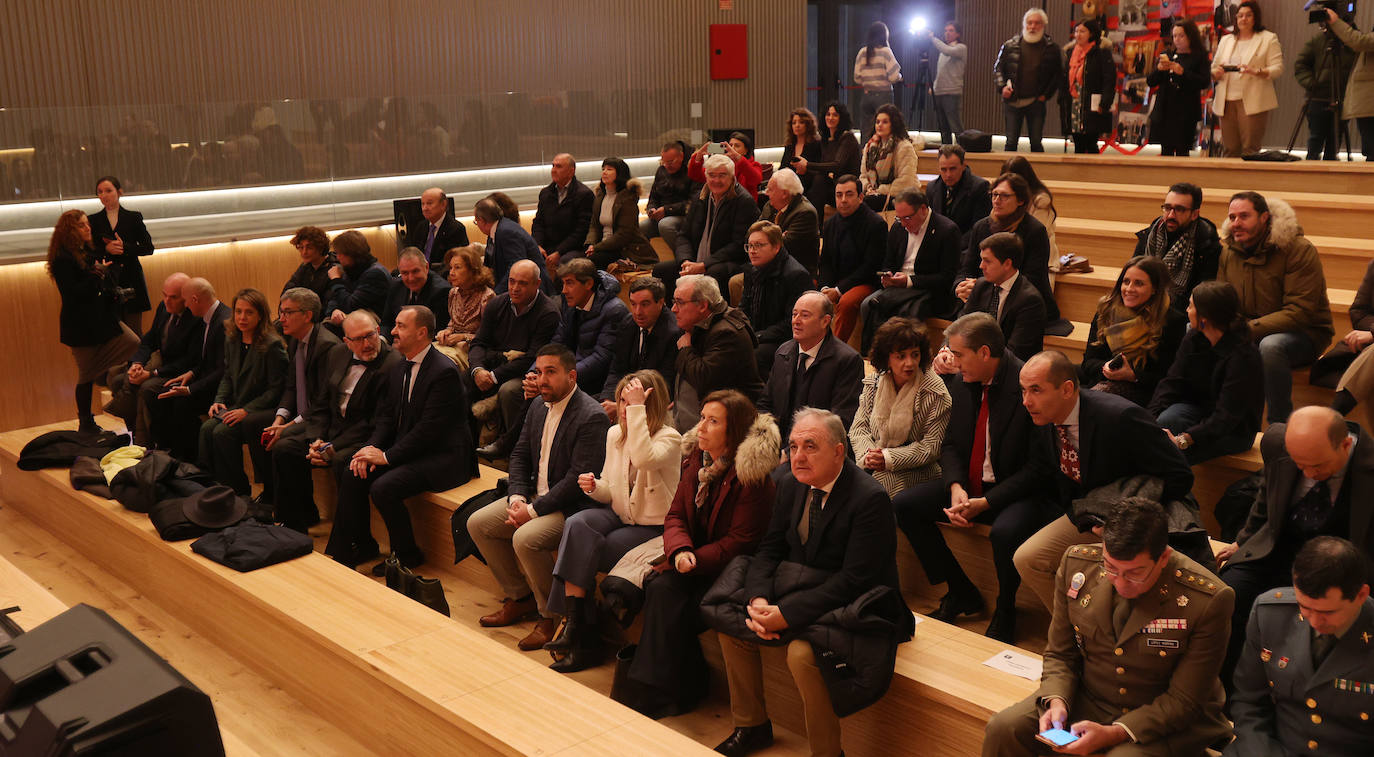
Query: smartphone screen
{"x": 1057, "y": 737}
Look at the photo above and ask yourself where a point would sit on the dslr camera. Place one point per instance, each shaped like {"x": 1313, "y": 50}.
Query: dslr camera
{"x": 1316, "y": 10}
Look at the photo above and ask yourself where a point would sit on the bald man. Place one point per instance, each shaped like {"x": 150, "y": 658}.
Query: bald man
{"x": 564, "y": 212}
{"x": 165, "y": 342}
{"x": 440, "y": 232}
{"x": 1318, "y": 481}
{"x": 813, "y": 368}
{"x": 193, "y": 378}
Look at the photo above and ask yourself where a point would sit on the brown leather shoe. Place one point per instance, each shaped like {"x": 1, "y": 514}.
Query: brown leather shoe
{"x": 512, "y": 611}
{"x": 542, "y": 633}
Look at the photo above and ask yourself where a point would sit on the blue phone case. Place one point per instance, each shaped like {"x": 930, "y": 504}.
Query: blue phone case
{"x": 1059, "y": 736}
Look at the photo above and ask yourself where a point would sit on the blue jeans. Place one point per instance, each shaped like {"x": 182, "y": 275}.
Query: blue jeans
{"x": 1033, "y": 116}
{"x": 1280, "y": 353}
{"x": 948, "y": 114}
{"x": 593, "y": 541}
{"x": 1179, "y": 417}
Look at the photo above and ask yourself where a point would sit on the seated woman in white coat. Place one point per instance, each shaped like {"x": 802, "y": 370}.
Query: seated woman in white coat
{"x": 643, "y": 465}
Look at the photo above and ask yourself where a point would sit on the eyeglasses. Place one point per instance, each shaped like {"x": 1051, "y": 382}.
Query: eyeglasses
{"x": 1171, "y": 209}
{"x": 750, "y": 246}
{"x": 288, "y": 311}
{"x": 682, "y": 303}
{"x": 361, "y": 339}
{"x": 1002, "y": 195}
{"x": 905, "y": 219}
{"x": 1137, "y": 578}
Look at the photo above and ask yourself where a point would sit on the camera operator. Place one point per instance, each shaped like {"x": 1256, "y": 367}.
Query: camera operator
{"x": 1181, "y": 75}
{"x": 89, "y": 322}
{"x": 119, "y": 238}
{"x": 1359, "y": 93}
{"x": 1322, "y": 59}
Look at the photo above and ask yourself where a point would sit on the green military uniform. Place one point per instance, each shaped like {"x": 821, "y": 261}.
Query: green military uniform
{"x": 1282, "y": 705}
{"x": 1156, "y": 676}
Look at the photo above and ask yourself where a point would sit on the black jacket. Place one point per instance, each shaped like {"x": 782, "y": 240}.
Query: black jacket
{"x": 1023, "y": 314}
{"x": 89, "y": 313}
{"x": 312, "y": 278}
{"x": 968, "y": 204}
{"x": 322, "y": 345}
{"x": 737, "y": 212}
{"x": 832, "y": 382}
{"x": 1034, "y": 266}
{"x": 503, "y": 330}
{"x": 801, "y": 230}
{"x": 591, "y": 334}
{"x": 433, "y": 295}
{"x": 1010, "y": 431}
{"x": 1207, "y": 248}
{"x": 205, "y": 358}
{"x": 721, "y": 356}
{"x": 450, "y": 234}
{"x": 1099, "y": 78}
{"x": 671, "y": 191}
{"x": 1224, "y": 379}
{"x": 350, "y": 429}
{"x": 660, "y": 352}
{"x": 562, "y": 227}
{"x": 854, "y": 249}
{"x": 252, "y": 378}
{"x": 769, "y": 294}
{"x": 1148, "y": 375}
{"x": 431, "y": 429}
{"x": 936, "y": 262}
{"x": 172, "y": 348}
{"x": 1179, "y": 97}
{"x": 579, "y": 446}
{"x": 362, "y": 286}
{"x": 137, "y": 243}
{"x": 1007, "y": 68}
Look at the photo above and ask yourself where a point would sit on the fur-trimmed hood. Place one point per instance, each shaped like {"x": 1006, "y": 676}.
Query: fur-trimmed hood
{"x": 757, "y": 455}
{"x": 1283, "y": 225}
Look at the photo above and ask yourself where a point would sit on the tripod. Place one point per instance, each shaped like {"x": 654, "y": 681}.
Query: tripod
{"x": 920, "y": 98}
{"x": 1331, "y": 64}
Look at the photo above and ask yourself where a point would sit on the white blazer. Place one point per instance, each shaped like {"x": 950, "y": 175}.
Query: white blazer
{"x": 1256, "y": 92}
{"x": 658, "y": 466}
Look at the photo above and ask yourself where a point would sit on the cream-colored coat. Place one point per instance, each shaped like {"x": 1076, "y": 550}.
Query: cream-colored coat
{"x": 658, "y": 466}
{"x": 1256, "y": 92}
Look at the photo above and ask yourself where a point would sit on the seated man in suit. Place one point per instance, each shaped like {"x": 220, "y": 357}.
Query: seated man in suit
{"x": 1318, "y": 472}
{"x": 166, "y": 342}
{"x": 308, "y": 348}
{"x": 854, "y": 243}
{"x": 507, "y": 244}
{"x": 1133, "y": 649}
{"x": 1006, "y": 295}
{"x": 589, "y": 319}
{"x": 439, "y": 233}
{"x": 337, "y": 422}
{"x": 417, "y": 285}
{"x": 958, "y": 193}
{"x": 918, "y": 270}
{"x": 1315, "y": 638}
{"x": 193, "y": 378}
{"x": 1011, "y": 197}
{"x": 1086, "y": 439}
{"x": 514, "y": 326}
{"x": 986, "y": 479}
{"x": 813, "y": 368}
{"x": 564, "y": 437}
{"x": 829, "y": 516}
{"x": 715, "y": 351}
{"x": 358, "y": 281}
{"x": 420, "y": 443}
{"x": 773, "y": 281}
{"x": 564, "y": 213}
{"x": 645, "y": 340}
{"x": 711, "y": 240}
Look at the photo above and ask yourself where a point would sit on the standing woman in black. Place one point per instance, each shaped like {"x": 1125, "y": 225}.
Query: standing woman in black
{"x": 1091, "y": 85}
{"x": 1181, "y": 76}
{"x": 119, "y": 238}
{"x": 89, "y": 322}
{"x": 839, "y": 155}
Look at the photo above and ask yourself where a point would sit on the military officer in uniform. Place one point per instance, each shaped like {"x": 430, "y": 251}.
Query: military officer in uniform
{"x": 1305, "y": 680}
{"x": 1133, "y": 650}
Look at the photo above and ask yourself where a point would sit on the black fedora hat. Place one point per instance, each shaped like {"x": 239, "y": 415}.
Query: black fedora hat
{"x": 214, "y": 507}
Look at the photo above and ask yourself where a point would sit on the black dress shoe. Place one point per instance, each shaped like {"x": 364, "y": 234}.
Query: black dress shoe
{"x": 493, "y": 451}
{"x": 957, "y": 603}
{"x": 745, "y": 740}
{"x": 1003, "y": 626}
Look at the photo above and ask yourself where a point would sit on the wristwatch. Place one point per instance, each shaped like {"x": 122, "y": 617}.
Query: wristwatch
{"x": 1184, "y": 441}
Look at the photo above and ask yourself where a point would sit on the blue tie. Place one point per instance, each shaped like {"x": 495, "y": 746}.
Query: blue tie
{"x": 429, "y": 243}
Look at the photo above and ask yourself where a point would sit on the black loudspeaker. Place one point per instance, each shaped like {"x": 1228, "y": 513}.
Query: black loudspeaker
{"x": 81, "y": 684}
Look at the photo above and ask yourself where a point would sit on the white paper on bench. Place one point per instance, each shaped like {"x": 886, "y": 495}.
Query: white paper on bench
{"x": 1016, "y": 663}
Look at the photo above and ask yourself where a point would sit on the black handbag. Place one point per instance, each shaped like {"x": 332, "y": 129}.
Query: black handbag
{"x": 427, "y": 591}
{"x": 462, "y": 541}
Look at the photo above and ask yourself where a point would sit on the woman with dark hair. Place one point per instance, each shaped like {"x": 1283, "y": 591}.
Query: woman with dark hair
{"x": 358, "y": 281}
{"x": 254, "y": 373}
{"x": 119, "y": 238}
{"x": 1181, "y": 76}
{"x": 1213, "y": 396}
{"x": 839, "y": 155}
{"x": 1041, "y": 206}
{"x": 89, "y": 320}
{"x": 801, "y": 145}
{"x": 470, "y": 291}
{"x": 739, "y": 148}
{"x": 1244, "y": 67}
{"x": 720, "y": 510}
{"x": 903, "y": 410}
{"x": 889, "y": 160}
{"x": 1091, "y": 84}
{"x": 1134, "y": 335}
{"x": 876, "y": 70}
{"x": 614, "y": 233}
{"x": 509, "y": 208}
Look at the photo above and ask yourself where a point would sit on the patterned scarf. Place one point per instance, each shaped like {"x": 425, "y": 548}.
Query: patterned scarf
{"x": 710, "y": 472}
{"x": 1076, "y": 64}
{"x": 996, "y": 225}
{"x": 894, "y": 410}
{"x": 1178, "y": 257}
{"x": 1128, "y": 332}
{"x": 876, "y": 153}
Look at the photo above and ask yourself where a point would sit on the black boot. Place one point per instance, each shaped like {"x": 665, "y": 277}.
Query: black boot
{"x": 87, "y": 425}
{"x": 585, "y": 651}
{"x": 572, "y": 614}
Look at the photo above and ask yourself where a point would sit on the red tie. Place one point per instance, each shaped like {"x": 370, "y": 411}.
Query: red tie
{"x": 1068, "y": 456}
{"x": 980, "y": 446}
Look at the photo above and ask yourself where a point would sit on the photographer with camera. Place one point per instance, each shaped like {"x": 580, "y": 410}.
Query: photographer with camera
{"x": 1359, "y": 93}
{"x": 1181, "y": 76}
{"x": 119, "y": 238}
{"x": 89, "y": 321}
{"x": 1244, "y": 68}
{"x": 1323, "y": 68}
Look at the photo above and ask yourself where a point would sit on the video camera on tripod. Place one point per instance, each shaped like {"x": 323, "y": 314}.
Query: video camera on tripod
{"x": 1316, "y": 10}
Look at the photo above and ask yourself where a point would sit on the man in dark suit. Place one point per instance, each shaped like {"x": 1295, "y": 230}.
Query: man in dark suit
{"x": 1006, "y": 295}
{"x": 564, "y": 212}
{"x": 1086, "y": 439}
{"x": 715, "y": 351}
{"x": 308, "y": 349}
{"x": 646, "y": 340}
{"x": 336, "y": 426}
{"x": 813, "y": 368}
{"x": 1316, "y": 639}
{"x": 712, "y": 238}
{"x": 514, "y": 326}
{"x": 563, "y": 437}
{"x": 1318, "y": 477}
{"x": 589, "y": 319}
{"x": 958, "y": 193}
{"x": 1011, "y": 197}
{"x": 830, "y": 516}
{"x": 854, "y": 240}
{"x": 986, "y": 477}
{"x": 421, "y": 443}
{"x": 922, "y": 258}
{"x": 165, "y": 342}
{"x": 194, "y": 377}
{"x": 507, "y": 244}
{"x": 417, "y": 285}
{"x": 439, "y": 233}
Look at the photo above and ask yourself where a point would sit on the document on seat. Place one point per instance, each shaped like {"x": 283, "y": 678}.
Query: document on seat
{"x": 1016, "y": 663}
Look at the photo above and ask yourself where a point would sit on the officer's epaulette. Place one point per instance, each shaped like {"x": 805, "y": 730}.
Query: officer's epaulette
{"x": 1205, "y": 584}
{"x": 1090, "y": 552}
{"x": 1283, "y": 596}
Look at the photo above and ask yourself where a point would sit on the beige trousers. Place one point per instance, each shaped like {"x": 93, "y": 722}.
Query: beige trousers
{"x": 744, "y": 672}
{"x": 1037, "y": 560}
{"x": 520, "y": 558}
{"x": 1242, "y": 133}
